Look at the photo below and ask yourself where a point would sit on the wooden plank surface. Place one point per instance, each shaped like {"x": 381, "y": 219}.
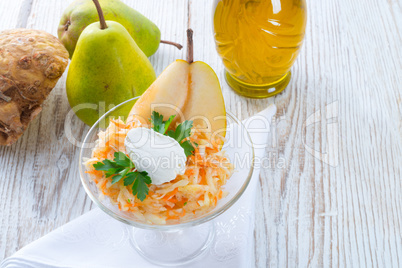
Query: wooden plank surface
{"x": 330, "y": 190}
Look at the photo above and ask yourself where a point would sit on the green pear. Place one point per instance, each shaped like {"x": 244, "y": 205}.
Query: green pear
{"x": 107, "y": 68}
{"x": 82, "y": 13}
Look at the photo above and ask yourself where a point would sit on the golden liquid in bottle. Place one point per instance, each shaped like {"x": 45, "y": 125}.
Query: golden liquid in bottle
{"x": 258, "y": 42}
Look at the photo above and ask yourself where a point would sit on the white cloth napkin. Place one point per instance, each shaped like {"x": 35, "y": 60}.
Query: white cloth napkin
{"x": 97, "y": 240}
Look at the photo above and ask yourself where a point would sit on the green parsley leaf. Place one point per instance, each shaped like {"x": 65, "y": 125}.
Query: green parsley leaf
{"x": 129, "y": 179}
{"x": 121, "y": 159}
{"x": 105, "y": 165}
{"x": 182, "y": 131}
{"x": 112, "y": 171}
{"x": 120, "y": 169}
{"x": 188, "y": 147}
{"x": 116, "y": 178}
{"x": 168, "y": 122}
{"x": 158, "y": 124}
{"x": 140, "y": 181}
{"x": 140, "y": 187}
{"x": 109, "y": 167}
{"x": 171, "y": 133}
{"x": 121, "y": 174}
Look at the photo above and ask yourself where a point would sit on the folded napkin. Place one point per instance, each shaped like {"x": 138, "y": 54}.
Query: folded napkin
{"x": 97, "y": 240}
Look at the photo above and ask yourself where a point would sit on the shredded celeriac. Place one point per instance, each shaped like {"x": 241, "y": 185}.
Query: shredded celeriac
{"x": 188, "y": 196}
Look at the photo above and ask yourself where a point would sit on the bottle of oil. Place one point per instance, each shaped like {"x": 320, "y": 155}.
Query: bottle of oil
{"x": 258, "y": 41}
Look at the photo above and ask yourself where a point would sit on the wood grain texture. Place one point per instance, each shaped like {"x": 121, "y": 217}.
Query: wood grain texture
{"x": 344, "y": 101}
{"x": 349, "y": 214}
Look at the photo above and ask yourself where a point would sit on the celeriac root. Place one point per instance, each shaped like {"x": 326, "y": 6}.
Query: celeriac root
{"x": 31, "y": 62}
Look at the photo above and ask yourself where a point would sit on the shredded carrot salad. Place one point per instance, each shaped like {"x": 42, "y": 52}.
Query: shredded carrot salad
{"x": 188, "y": 196}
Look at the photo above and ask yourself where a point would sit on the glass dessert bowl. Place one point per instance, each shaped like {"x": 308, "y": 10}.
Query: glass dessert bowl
{"x": 174, "y": 242}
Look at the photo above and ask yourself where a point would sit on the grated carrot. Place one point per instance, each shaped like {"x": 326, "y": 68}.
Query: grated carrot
{"x": 171, "y": 194}
{"x": 220, "y": 194}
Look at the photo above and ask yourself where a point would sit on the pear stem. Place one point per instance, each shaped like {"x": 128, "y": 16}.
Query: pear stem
{"x": 172, "y": 43}
{"x": 100, "y": 14}
{"x": 190, "y": 46}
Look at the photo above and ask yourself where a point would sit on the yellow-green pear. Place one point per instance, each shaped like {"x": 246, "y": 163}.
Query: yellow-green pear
{"x": 107, "y": 68}
{"x": 81, "y": 13}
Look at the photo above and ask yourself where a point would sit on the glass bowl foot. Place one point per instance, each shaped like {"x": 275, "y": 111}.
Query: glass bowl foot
{"x": 172, "y": 248}
{"x": 258, "y": 91}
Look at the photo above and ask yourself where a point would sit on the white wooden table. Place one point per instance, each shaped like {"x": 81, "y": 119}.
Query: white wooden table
{"x": 331, "y": 190}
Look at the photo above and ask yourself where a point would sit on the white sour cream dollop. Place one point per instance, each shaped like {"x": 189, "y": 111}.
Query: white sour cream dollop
{"x": 160, "y": 156}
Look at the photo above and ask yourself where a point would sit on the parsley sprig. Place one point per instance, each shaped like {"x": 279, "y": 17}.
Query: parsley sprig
{"x": 158, "y": 124}
{"x": 121, "y": 168}
{"x": 181, "y": 132}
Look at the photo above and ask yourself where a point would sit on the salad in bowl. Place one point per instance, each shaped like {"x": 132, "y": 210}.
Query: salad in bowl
{"x": 157, "y": 173}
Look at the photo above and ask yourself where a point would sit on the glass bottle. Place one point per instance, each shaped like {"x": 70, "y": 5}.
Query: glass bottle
{"x": 258, "y": 42}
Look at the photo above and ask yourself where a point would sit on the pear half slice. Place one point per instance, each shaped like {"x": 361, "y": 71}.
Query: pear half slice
{"x": 190, "y": 91}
